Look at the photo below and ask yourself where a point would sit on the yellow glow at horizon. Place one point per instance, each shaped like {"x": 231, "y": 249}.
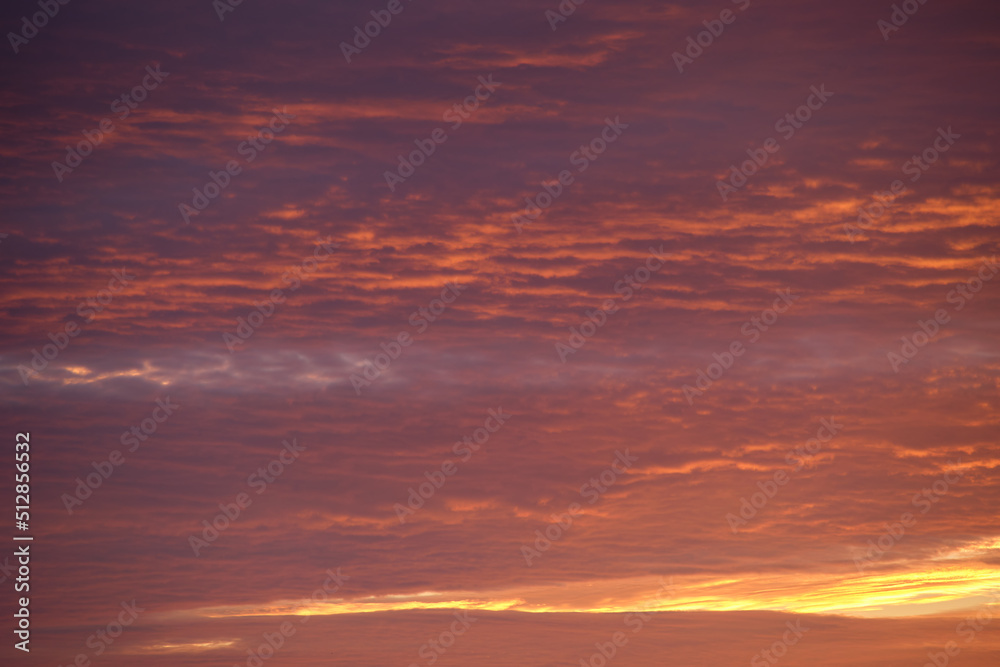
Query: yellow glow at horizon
{"x": 898, "y": 594}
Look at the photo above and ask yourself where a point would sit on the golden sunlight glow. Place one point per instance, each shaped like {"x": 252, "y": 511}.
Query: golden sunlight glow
{"x": 898, "y": 594}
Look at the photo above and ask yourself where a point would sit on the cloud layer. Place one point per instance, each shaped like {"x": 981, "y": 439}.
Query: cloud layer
{"x": 677, "y": 346}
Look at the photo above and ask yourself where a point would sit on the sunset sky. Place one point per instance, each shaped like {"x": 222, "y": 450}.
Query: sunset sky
{"x": 566, "y": 322}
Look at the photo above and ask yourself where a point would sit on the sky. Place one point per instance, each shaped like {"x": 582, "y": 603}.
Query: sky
{"x": 516, "y": 333}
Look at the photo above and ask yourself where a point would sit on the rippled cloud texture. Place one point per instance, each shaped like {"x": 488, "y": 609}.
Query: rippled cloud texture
{"x": 496, "y": 313}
